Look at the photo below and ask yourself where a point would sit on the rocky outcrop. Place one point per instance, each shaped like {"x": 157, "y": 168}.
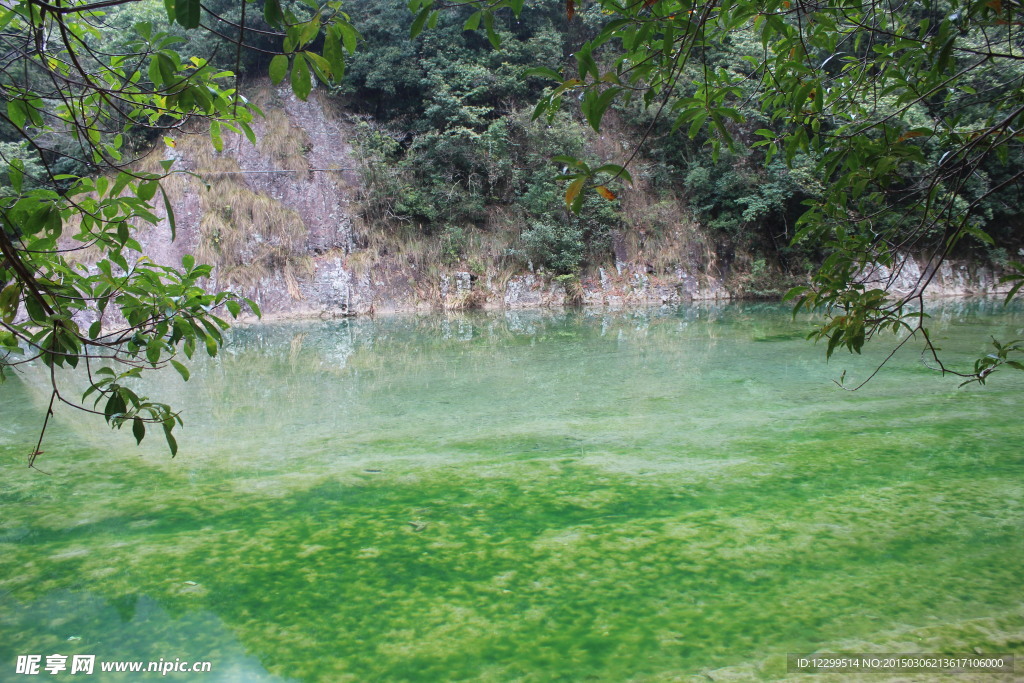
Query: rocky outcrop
{"x": 952, "y": 278}
{"x": 304, "y": 164}
{"x": 280, "y": 222}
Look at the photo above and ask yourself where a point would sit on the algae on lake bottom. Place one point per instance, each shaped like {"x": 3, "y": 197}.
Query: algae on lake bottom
{"x": 531, "y": 496}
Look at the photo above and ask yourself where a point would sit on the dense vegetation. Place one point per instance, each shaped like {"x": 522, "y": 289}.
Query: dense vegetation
{"x": 87, "y": 86}
{"x": 448, "y": 135}
{"x": 903, "y": 121}
{"x": 448, "y": 140}
{"x": 841, "y": 135}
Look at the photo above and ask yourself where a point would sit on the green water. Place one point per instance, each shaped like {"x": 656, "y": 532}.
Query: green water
{"x": 648, "y": 496}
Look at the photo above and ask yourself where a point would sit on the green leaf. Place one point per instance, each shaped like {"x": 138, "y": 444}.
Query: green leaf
{"x": 120, "y": 183}
{"x": 182, "y": 370}
{"x": 473, "y": 23}
{"x": 115, "y": 405}
{"x": 35, "y": 310}
{"x": 249, "y": 134}
{"x": 596, "y": 104}
{"x": 978, "y": 233}
{"x": 278, "y": 69}
{"x": 1013, "y": 292}
{"x": 943, "y": 61}
{"x": 254, "y": 307}
{"x": 697, "y": 124}
{"x": 154, "y": 349}
{"x": 272, "y": 13}
{"x": 794, "y": 292}
{"x": 333, "y": 53}
{"x": 138, "y": 430}
{"x": 169, "y": 211}
{"x": 16, "y": 172}
{"x": 544, "y": 72}
{"x": 301, "y": 82}
{"x": 188, "y": 12}
{"x": 166, "y": 70}
{"x": 320, "y": 65}
{"x": 419, "y": 22}
{"x": 615, "y": 170}
{"x": 147, "y": 190}
{"x": 585, "y": 62}
{"x": 573, "y": 191}
{"x": 17, "y": 112}
{"x": 9, "y": 298}
{"x": 310, "y": 30}
{"x": 215, "y": 136}
{"x": 171, "y": 441}
{"x": 543, "y": 104}
{"x": 492, "y": 35}
{"x": 568, "y": 161}
{"x": 349, "y": 36}
{"x": 833, "y": 341}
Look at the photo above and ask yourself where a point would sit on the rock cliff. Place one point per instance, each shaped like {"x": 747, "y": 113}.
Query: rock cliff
{"x": 280, "y": 221}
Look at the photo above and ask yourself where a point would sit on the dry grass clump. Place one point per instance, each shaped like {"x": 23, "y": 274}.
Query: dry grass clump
{"x": 491, "y": 247}
{"x": 285, "y": 144}
{"x": 404, "y": 243}
{"x": 465, "y": 301}
{"x": 251, "y": 236}
{"x": 662, "y": 233}
{"x": 247, "y": 236}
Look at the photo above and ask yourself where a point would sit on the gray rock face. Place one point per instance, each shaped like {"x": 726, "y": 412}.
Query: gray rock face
{"x": 314, "y": 172}
{"x": 952, "y": 278}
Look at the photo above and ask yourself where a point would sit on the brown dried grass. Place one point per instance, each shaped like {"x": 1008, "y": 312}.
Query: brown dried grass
{"x": 251, "y": 236}
{"x": 285, "y": 144}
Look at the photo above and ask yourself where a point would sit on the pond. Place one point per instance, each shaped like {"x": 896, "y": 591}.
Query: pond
{"x": 648, "y": 495}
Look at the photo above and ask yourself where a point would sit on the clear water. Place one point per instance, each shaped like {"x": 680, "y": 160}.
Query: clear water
{"x": 646, "y": 496}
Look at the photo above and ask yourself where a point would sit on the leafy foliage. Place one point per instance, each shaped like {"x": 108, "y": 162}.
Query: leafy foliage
{"x": 75, "y": 289}
{"x": 908, "y": 115}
